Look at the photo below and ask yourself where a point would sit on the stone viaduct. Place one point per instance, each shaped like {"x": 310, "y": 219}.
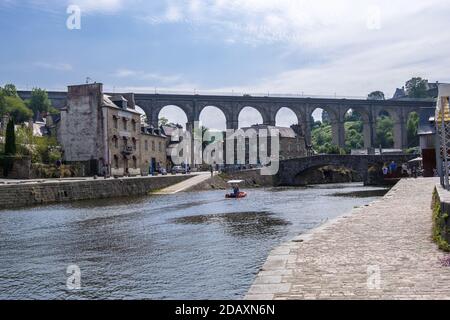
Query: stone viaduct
{"x": 268, "y": 107}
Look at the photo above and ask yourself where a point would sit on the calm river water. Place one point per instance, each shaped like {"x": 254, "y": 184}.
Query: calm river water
{"x": 184, "y": 246}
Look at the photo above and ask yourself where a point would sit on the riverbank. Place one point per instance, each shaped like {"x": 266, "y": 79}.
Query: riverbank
{"x": 23, "y": 193}
{"x": 381, "y": 251}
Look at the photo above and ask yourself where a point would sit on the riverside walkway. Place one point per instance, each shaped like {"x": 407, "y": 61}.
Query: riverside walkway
{"x": 381, "y": 251}
{"x": 184, "y": 185}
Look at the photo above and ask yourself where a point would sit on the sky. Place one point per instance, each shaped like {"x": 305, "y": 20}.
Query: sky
{"x": 321, "y": 47}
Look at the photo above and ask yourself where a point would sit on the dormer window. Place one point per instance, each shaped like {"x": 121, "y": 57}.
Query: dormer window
{"x": 120, "y": 101}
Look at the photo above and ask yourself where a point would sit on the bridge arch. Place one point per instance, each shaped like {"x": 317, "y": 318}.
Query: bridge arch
{"x": 249, "y": 116}
{"x": 174, "y": 114}
{"x": 388, "y": 134}
{"x": 213, "y": 118}
{"x": 358, "y": 127}
{"x": 333, "y": 120}
{"x": 286, "y": 117}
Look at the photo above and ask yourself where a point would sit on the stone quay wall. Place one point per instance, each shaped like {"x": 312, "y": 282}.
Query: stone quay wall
{"x": 36, "y": 193}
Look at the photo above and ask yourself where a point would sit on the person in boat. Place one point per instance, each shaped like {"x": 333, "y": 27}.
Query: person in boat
{"x": 236, "y": 190}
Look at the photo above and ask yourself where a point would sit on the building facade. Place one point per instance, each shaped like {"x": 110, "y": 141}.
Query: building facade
{"x": 104, "y": 133}
{"x": 153, "y": 150}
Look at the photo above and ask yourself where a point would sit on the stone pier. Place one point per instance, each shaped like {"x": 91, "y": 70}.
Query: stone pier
{"x": 381, "y": 251}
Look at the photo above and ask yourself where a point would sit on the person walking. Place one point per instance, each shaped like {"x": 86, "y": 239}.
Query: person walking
{"x": 393, "y": 167}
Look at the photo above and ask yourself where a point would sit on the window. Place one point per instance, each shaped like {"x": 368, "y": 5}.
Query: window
{"x": 125, "y": 127}
{"x": 116, "y": 126}
{"x": 115, "y": 141}
{"x": 134, "y": 144}
{"x": 125, "y": 141}
{"x": 133, "y": 123}
{"x": 153, "y": 145}
{"x": 134, "y": 162}
{"x": 146, "y": 145}
{"x": 116, "y": 162}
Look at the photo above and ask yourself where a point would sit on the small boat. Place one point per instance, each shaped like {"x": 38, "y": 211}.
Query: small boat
{"x": 240, "y": 194}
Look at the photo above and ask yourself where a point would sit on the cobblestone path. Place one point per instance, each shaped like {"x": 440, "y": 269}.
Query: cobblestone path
{"x": 381, "y": 251}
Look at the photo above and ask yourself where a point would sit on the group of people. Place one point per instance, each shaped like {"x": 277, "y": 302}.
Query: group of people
{"x": 392, "y": 169}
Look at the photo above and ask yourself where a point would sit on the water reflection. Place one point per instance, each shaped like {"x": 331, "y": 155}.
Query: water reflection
{"x": 240, "y": 224}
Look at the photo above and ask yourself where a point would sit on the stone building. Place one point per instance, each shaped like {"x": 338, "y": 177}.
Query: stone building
{"x": 101, "y": 132}
{"x": 153, "y": 149}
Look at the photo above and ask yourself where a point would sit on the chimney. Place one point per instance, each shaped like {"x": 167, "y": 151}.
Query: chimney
{"x": 130, "y": 98}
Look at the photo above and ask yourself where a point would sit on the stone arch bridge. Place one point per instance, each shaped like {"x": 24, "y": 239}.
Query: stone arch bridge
{"x": 268, "y": 107}
{"x": 290, "y": 170}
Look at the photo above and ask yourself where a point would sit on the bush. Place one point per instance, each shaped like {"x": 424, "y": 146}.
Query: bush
{"x": 40, "y": 149}
{"x": 439, "y": 224}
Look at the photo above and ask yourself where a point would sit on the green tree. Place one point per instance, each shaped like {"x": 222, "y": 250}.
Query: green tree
{"x": 17, "y": 109}
{"x": 384, "y": 132}
{"x": 10, "y": 139}
{"x": 163, "y": 121}
{"x": 10, "y": 90}
{"x": 2, "y": 102}
{"x": 412, "y": 128}
{"x": 354, "y": 138}
{"x": 417, "y": 88}
{"x": 206, "y": 138}
{"x": 39, "y": 101}
{"x": 376, "y": 95}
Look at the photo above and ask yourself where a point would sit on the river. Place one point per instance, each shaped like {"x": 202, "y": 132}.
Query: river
{"x": 183, "y": 246}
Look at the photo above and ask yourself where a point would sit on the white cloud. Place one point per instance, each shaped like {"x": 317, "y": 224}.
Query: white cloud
{"x": 54, "y": 66}
{"x": 352, "y": 50}
{"x": 142, "y": 75}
